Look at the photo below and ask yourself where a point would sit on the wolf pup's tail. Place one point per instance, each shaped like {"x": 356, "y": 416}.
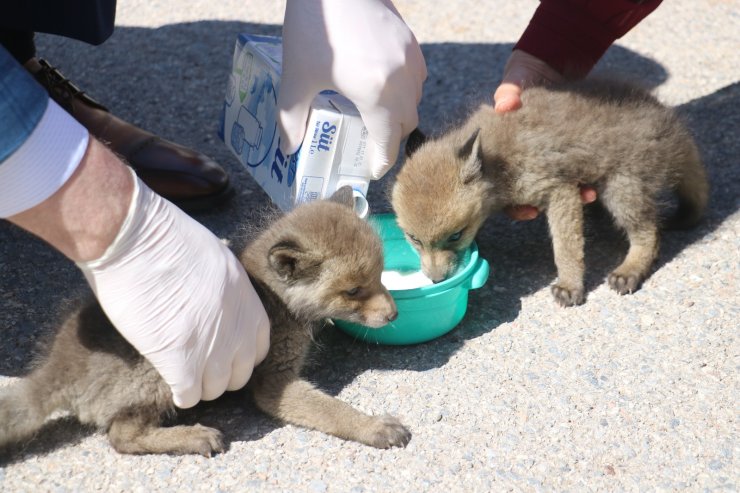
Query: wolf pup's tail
{"x": 21, "y": 413}
{"x": 692, "y": 190}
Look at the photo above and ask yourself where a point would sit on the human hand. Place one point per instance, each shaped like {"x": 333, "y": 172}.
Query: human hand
{"x": 182, "y": 299}
{"x": 523, "y": 70}
{"x": 365, "y": 51}
{"x": 529, "y": 212}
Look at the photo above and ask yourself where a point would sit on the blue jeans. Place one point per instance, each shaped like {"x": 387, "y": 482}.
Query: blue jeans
{"x": 22, "y": 104}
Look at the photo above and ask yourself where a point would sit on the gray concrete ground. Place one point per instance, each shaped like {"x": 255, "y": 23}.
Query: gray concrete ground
{"x": 634, "y": 393}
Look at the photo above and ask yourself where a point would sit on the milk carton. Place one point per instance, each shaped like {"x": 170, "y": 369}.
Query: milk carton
{"x": 334, "y": 151}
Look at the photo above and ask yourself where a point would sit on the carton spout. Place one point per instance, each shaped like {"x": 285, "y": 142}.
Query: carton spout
{"x": 359, "y": 191}
{"x": 362, "y": 208}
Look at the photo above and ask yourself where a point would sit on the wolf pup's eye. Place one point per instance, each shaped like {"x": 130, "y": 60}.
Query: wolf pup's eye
{"x": 456, "y": 236}
{"x": 352, "y": 292}
{"x": 413, "y": 238}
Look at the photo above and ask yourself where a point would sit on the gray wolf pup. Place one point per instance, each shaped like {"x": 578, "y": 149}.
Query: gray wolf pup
{"x": 319, "y": 261}
{"x": 610, "y": 135}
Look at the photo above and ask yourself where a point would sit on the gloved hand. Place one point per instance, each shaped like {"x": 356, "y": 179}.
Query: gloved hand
{"x": 365, "y": 51}
{"x": 182, "y": 299}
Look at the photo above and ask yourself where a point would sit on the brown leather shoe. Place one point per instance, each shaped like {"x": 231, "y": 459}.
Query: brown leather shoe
{"x": 188, "y": 178}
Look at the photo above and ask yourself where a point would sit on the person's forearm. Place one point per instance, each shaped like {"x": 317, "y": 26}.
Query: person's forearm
{"x": 572, "y": 35}
{"x": 55, "y": 180}
{"x": 84, "y": 216}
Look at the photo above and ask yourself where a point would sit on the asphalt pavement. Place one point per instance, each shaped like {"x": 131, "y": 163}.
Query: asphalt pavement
{"x": 623, "y": 393}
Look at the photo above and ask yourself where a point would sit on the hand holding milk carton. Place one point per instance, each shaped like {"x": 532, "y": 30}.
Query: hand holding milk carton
{"x": 334, "y": 152}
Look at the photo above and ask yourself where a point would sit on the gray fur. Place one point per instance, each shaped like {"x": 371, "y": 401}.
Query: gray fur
{"x": 610, "y": 135}
{"x": 305, "y": 267}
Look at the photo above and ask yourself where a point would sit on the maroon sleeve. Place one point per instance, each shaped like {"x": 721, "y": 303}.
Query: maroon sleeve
{"x": 571, "y": 35}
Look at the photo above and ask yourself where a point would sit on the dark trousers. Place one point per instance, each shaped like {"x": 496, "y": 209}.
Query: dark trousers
{"x": 90, "y": 21}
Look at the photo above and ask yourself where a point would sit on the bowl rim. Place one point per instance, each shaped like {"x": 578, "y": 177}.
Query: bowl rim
{"x": 460, "y": 277}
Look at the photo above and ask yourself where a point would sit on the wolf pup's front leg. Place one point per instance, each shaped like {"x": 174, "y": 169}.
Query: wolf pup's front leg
{"x": 287, "y": 397}
{"x": 565, "y": 219}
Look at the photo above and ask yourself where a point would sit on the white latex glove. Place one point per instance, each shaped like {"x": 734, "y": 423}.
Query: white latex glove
{"x": 363, "y": 50}
{"x": 182, "y": 299}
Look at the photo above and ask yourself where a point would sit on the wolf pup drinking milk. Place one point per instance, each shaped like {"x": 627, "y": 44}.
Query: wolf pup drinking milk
{"x": 612, "y": 136}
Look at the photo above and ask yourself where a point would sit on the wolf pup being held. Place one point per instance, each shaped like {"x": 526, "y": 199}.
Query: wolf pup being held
{"x": 319, "y": 261}
{"x": 612, "y": 136}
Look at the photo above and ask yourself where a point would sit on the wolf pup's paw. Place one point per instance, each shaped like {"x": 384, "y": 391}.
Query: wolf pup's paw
{"x": 625, "y": 283}
{"x": 386, "y": 432}
{"x": 202, "y": 440}
{"x": 566, "y": 296}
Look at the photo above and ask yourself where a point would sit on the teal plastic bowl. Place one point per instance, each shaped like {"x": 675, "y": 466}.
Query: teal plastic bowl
{"x": 426, "y": 312}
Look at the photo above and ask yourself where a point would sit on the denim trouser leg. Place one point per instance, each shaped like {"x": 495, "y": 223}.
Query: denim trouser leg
{"x": 40, "y": 144}
{"x": 22, "y": 103}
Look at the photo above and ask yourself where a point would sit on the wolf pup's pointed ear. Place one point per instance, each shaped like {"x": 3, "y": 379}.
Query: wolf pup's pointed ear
{"x": 344, "y": 196}
{"x": 415, "y": 139}
{"x": 292, "y": 262}
{"x": 471, "y": 153}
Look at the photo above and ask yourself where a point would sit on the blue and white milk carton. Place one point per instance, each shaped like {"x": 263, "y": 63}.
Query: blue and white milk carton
{"x": 334, "y": 151}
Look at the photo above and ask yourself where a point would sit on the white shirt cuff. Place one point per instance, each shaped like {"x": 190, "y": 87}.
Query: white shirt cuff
{"x": 43, "y": 163}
